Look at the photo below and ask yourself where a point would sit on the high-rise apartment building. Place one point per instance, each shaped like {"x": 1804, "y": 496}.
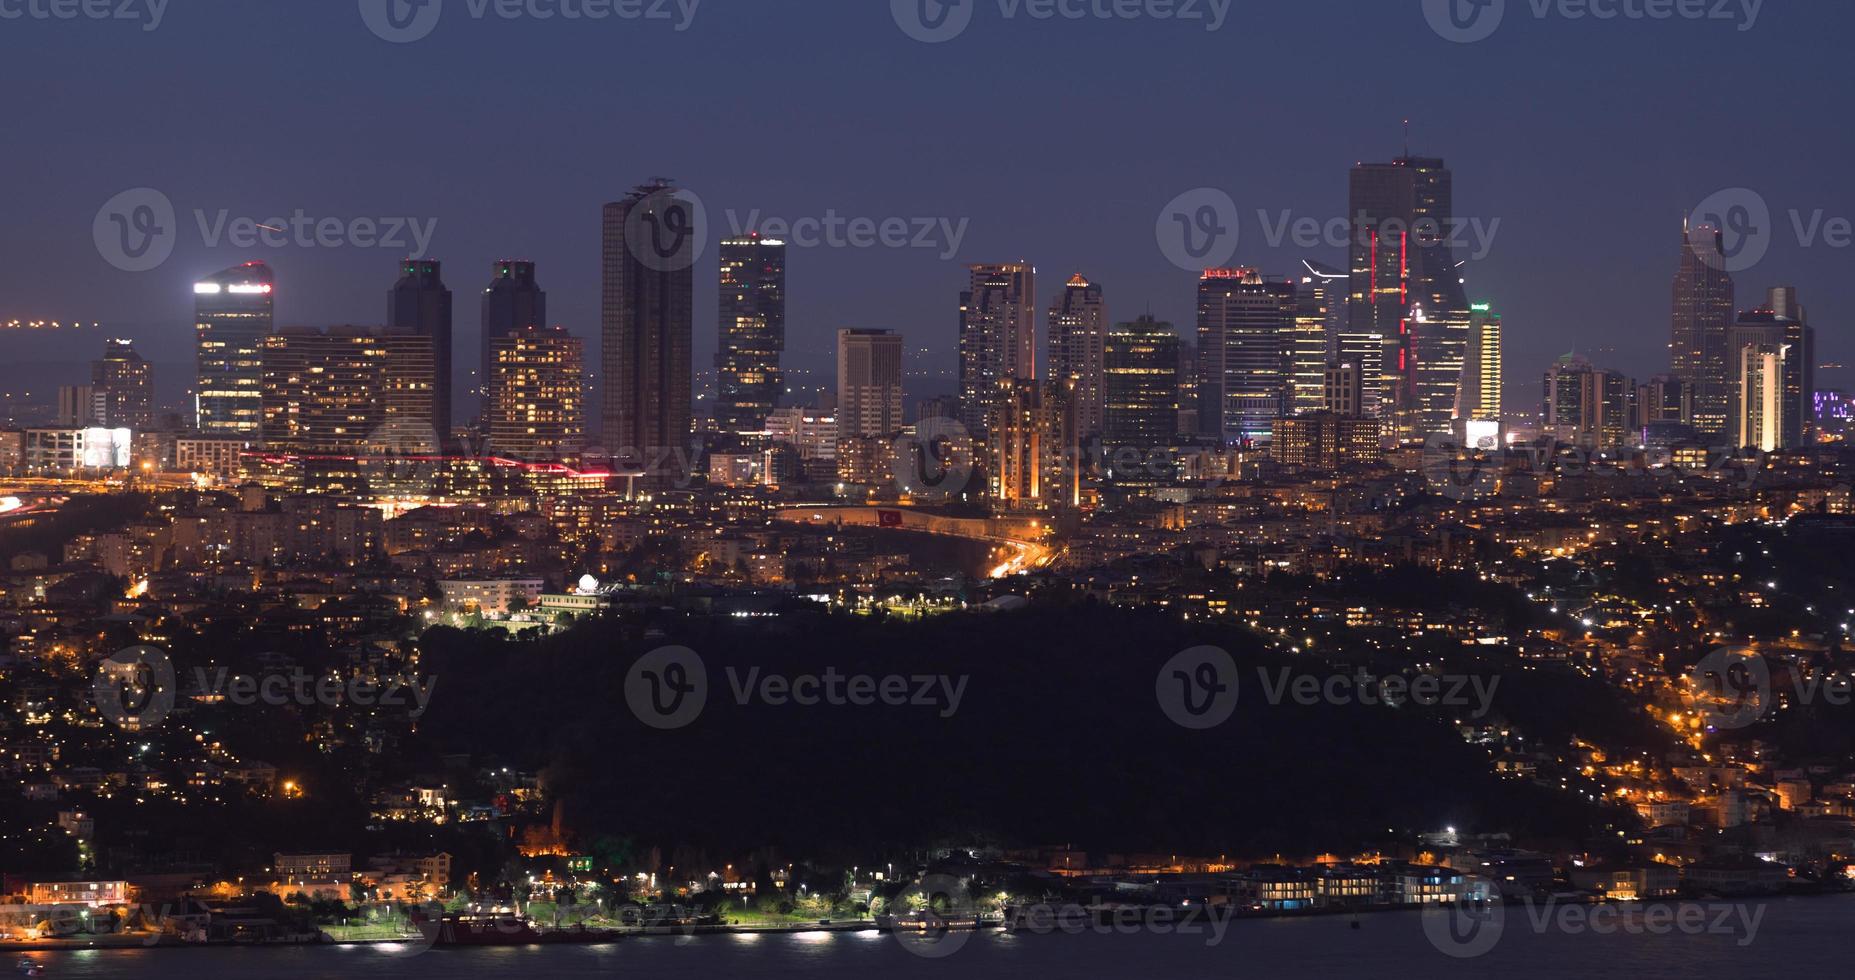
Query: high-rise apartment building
{"x": 1587, "y": 406}
{"x": 1246, "y": 323}
{"x": 348, "y": 390}
{"x": 537, "y": 395}
{"x": 1033, "y": 453}
{"x": 123, "y": 385}
{"x": 514, "y": 299}
{"x": 1141, "y": 372}
{"x": 1480, "y": 391}
{"x": 1078, "y": 338}
{"x": 869, "y": 384}
{"x": 998, "y": 336}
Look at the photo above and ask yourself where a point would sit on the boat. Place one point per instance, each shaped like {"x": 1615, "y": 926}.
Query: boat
{"x": 503, "y": 929}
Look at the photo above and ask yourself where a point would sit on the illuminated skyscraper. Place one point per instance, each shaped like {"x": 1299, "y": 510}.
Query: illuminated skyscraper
{"x": 1309, "y": 344}
{"x": 232, "y": 316}
{"x": 537, "y": 406}
{"x": 513, "y": 300}
{"x": 998, "y": 336}
{"x": 1078, "y": 335}
{"x": 419, "y": 302}
{"x": 1367, "y": 350}
{"x": 1703, "y": 314}
{"x": 120, "y": 382}
{"x": 1759, "y": 405}
{"x": 1795, "y": 341}
{"x": 869, "y": 384}
{"x": 752, "y": 334}
{"x": 1664, "y": 399}
{"x": 1479, "y": 395}
{"x": 646, "y": 323}
{"x": 1245, "y": 344}
{"x": 1141, "y": 384}
{"x": 1032, "y": 447}
{"x": 1586, "y": 406}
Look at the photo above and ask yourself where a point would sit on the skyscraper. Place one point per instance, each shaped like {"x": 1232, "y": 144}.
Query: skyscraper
{"x": 1479, "y": 396}
{"x": 120, "y": 381}
{"x": 1586, "y": 406}
{"x": 1401, "y": 262}
{"x": 869, "y": 384}
{"x": 420, "y": 303}
{"x": 1759, "y": 405}
{"x": 1367, "y": 350}
{"x": 752, "y": 334}
{"x": 513, "y": 300}
{"x": 1033, "y": 451}
{"x": 1245, "y": 347}
{"x": 646, "y": 324}
{"x": 537, "y": 409}
{"x": 1703, "y": 313}
{"x": 998, "y": 336}
{"x": 1308, "y": 345}
{"x": 1078, "y": 333}
{"x": 1795, "y": 342}
{"x": 1141, "y": 386}
{"x": 232, "y": 316}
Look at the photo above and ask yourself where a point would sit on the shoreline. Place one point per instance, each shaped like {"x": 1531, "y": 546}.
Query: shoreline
{"x": 1001, "y": 924}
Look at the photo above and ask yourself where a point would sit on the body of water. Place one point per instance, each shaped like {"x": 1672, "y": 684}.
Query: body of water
{"x": 1793, "y": 937}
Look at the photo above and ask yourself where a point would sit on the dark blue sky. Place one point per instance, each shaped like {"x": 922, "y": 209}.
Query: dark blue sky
{"x": 1058, "y": 140}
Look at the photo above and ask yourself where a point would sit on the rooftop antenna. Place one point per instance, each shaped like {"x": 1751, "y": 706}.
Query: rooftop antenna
{"x": 1407, "y": 139}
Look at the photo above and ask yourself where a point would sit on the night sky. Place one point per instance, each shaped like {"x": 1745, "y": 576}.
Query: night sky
{"x": 1058, "y": 140}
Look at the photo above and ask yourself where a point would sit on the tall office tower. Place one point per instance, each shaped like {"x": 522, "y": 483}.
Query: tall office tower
{"x": 1664, "y": 399}
{"x": 1367, "y": 350}
{"x": 537, "y": 401}
{"x": 1308, "y": 346}
{"x": 998, "y": 336}
{"x": 346, "y": 390}
{"x": 1344, "y": 390}
{"x": 646, "y": 322}
{"x": 1760, "y": 410}
{"x": 1141, "y": 385}
{"x": 1703, "y": 313}
{"x": 1586, "y": 406}
{"x": 121, "y": 383}
{"x": 232, "y": 316}
{"x": 869, "y": 384}
{"x": 1401, "y": 263}
{"x": 420, "y": 303}
{"x": 1478, "y": 398}
{"x": 1245, "y": 329}
{"x": 1032, "y": 445}
{"x": 1078, "y": 334}
{"x": 752, "y": 334}
{"x": 513, "y": 300}
{"x": 1796, "y": 343}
